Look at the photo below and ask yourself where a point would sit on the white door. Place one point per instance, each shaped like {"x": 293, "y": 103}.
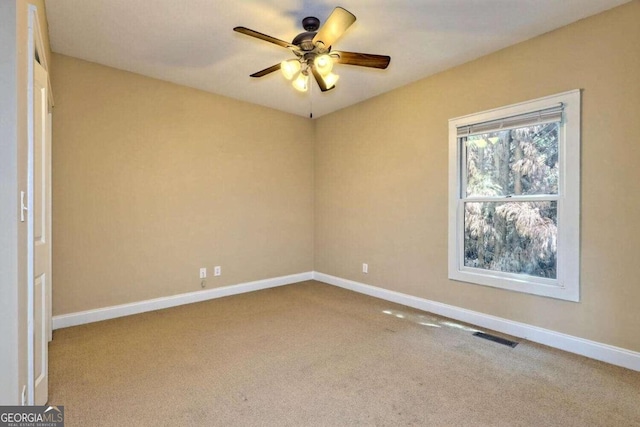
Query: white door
{"x": 40, "y": 239}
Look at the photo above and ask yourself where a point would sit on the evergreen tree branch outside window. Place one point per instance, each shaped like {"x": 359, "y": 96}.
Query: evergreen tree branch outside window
{"x": 514, "y": 197}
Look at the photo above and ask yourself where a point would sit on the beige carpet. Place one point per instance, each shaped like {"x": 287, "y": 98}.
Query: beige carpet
{"x": 313, "y": 354}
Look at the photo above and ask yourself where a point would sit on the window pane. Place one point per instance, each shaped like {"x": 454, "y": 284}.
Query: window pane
{"x": 513, "y": 237}
{"x": 520, "y": 161}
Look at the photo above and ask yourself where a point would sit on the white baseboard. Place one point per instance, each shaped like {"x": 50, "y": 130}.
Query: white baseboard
{"x": 82, "y": 317}
{"x": 592, "y": 349}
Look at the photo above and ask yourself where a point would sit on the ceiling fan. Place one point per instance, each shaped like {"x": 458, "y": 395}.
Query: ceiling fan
{"x": 313, "y": 52}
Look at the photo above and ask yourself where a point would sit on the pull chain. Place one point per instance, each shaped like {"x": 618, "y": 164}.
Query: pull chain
{"x": 311, "y": 99}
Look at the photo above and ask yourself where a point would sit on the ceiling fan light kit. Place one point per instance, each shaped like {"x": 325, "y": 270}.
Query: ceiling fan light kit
{"x": 313, "y": 52}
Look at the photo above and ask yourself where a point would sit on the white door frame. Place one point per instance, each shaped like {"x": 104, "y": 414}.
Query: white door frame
{"x": 35, "y": 46}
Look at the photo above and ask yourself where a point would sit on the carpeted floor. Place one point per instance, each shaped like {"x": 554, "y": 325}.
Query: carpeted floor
{"x": 314, "y": 354}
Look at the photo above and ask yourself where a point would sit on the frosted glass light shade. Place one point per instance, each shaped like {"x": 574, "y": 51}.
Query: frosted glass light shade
{"x": 301, "y": 82}
{"x": 289, "y": 68}
{"x": 323, "y": 64}
{"x": 330, "y": 79}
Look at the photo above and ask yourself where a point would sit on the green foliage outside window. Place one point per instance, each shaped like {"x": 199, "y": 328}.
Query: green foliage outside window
{"x": 511, "y": 235}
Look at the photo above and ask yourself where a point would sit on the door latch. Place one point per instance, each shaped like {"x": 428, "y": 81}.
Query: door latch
{"x": 23, "y": 206}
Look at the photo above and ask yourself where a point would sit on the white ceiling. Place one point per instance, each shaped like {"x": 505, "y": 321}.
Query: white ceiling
{"x": 192, "y": 42}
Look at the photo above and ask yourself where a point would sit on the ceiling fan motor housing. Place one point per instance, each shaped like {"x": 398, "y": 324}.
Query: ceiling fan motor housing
{"x": 304, "y": 41}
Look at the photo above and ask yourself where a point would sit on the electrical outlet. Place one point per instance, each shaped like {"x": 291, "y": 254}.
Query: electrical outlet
{"x": 365, "y": 268}
{"x": 203, "y": 273}
{"x": 217, "y": 270}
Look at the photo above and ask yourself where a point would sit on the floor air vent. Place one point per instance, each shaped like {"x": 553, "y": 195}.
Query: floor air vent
{"x": 495, "y": 339}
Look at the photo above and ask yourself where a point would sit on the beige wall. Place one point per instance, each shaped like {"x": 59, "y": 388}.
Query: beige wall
{"x": 381, "y": 180}
{"x": 152, "y": 181}
{"x": 13, "y": 176}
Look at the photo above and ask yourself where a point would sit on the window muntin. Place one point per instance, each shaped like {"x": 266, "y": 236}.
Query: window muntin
{"x": 514, "y": 197}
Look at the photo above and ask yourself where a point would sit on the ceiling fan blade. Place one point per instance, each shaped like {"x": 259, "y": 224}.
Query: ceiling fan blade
{"x": 265, "y": 37}
{"x": 335, "y": 25}
{"x": 362, "y": 59}
{"x": 266, "y": 71}
{"x": 320, "y": 81}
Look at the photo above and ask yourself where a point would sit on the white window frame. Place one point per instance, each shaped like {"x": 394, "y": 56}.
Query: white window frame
{"x": 566, "y": 286}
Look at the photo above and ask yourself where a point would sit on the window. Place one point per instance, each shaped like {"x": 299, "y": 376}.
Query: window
{"x": 514, "y": 197}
